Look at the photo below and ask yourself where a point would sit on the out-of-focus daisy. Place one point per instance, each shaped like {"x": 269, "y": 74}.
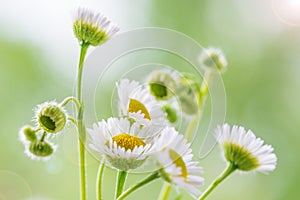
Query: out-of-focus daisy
{"x": 244, "y": 151}
{"x": 175, "y": 159}
{"x": 92, "y": 28}
{"x": 136, "y": 103}
{"x": 163, "y": 83}
{"x": 213, "y": 59}
{"x": 125, "y": 146}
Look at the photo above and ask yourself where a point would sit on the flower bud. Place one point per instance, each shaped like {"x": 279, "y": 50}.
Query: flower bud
{"x": 171, "y": 113}
{"x": 163, "y": 83}
{"x": 188, "y": 98}
{"x": 41, "y": 149}
{"x": 213, "y": 59}
{"x": 28, "y": 134}
{"x": 51, "y": 117}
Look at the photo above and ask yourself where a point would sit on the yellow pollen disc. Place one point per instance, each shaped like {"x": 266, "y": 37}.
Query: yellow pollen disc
{"x": 128, "y": 141}
{"x": 179, "y": 162}
{"x": 135, "y": 106}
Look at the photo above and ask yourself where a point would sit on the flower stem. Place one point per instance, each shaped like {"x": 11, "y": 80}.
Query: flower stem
{"x": 83, "y": 50}
{"x": 138, "y": 185}
{"x": 192, "y": 126}
{"x": 230, "y": 168}
{"x": 68, "y": 99}
{"x": 71, "y": 119}
{"x": 165, "y": 192}
{"x": 121, "y": 178}
{"x": 81, "y": 127}
{"x": 43, "y": 137}
{"x": 202, "y": 96}
{"x": 99, "y": 180}
{"x": 204, "y": 89}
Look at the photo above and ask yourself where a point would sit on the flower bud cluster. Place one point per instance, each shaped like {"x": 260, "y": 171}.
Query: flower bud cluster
{"x": 50, "y": 119}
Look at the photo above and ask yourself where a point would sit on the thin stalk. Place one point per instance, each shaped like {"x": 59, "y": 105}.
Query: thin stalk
{"x": 230, "y": 168}
{"x": 43, "y": 137}
{"x": 204, "y": 89}
{"x": 138, "y": 185}
{"x": 165, "y": 192}
{"x": 99, "y": 180}
{"x": 69, "y": 99}
{"x": 202, "y": 96}
{"x": 81, "y": 127}
{"x": 71, "y": 119}
{"x": 192, "y": 126}
{"x": 121, "y": 178}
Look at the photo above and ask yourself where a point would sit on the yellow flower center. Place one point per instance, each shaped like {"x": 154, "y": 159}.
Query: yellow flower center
{"x": 179, "y": 162}
{"x": 128, "y": 141}
{"x": 135, "y": 106}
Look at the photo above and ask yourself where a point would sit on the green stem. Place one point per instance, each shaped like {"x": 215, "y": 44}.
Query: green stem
{"x": 43, "y": 137}
{"x": 99, "y": 180}
{"x": 71, "y": 119}
{"x": 192, "y": 126}
{"x": 68, "y": 99}
{"x": 204, "y": 89}
{"x": 231, "y": 168}
{"x": 121, "y": 178}
{"x": 138, "y": 185}
{"x": 165, "y": 192}
{"x": 202, "y": 96}
{"x": 81, "y": 127}
{"x": 83, "y": 50}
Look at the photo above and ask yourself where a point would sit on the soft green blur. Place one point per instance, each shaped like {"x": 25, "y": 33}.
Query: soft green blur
{"x": 262, "y": 87}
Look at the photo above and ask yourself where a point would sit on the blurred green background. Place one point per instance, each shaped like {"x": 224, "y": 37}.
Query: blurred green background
{"x": 261, "y": 39}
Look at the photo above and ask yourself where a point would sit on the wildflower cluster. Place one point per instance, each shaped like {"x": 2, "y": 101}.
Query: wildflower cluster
{"x": 143, "y": 131}
{"x": 147, "y": 126}
{"x": 50, "y": 119}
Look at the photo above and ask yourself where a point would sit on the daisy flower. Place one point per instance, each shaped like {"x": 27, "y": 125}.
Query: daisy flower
{"x": 136, "y": 103}
{"x": 246, "y": 152}
{"x": 175, "y": 158}
{"x": 92, "y": 28}
{"x": 125, "y": 146}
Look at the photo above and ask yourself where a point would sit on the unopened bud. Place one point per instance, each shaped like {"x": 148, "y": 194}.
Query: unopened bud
{"x": 28, "y": 133}
{"x": 51, "y": 117}
{"x": 41, "y": 149}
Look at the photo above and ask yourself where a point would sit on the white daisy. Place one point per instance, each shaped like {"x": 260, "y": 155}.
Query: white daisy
{"x": 125, "y": 146}
{"x": 213, "y": 59}
{"x": 245, "y": 151}
{"x": 136, "y": 103}
{"x": 175, "y": 158}
{"x": 92, "y": 28}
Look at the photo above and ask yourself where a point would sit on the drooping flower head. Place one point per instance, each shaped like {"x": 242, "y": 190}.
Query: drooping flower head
{"x": 175, "y": 159}
{"x": 136, "y": 103}
{"x": 51, "y": 117}
{"x": 213, "y": 59}
{"x": 36, "y": 148}
{"x": 92, "y": 28}
{"x": 246, "y": 152}
{"x": 125, "y": 146}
